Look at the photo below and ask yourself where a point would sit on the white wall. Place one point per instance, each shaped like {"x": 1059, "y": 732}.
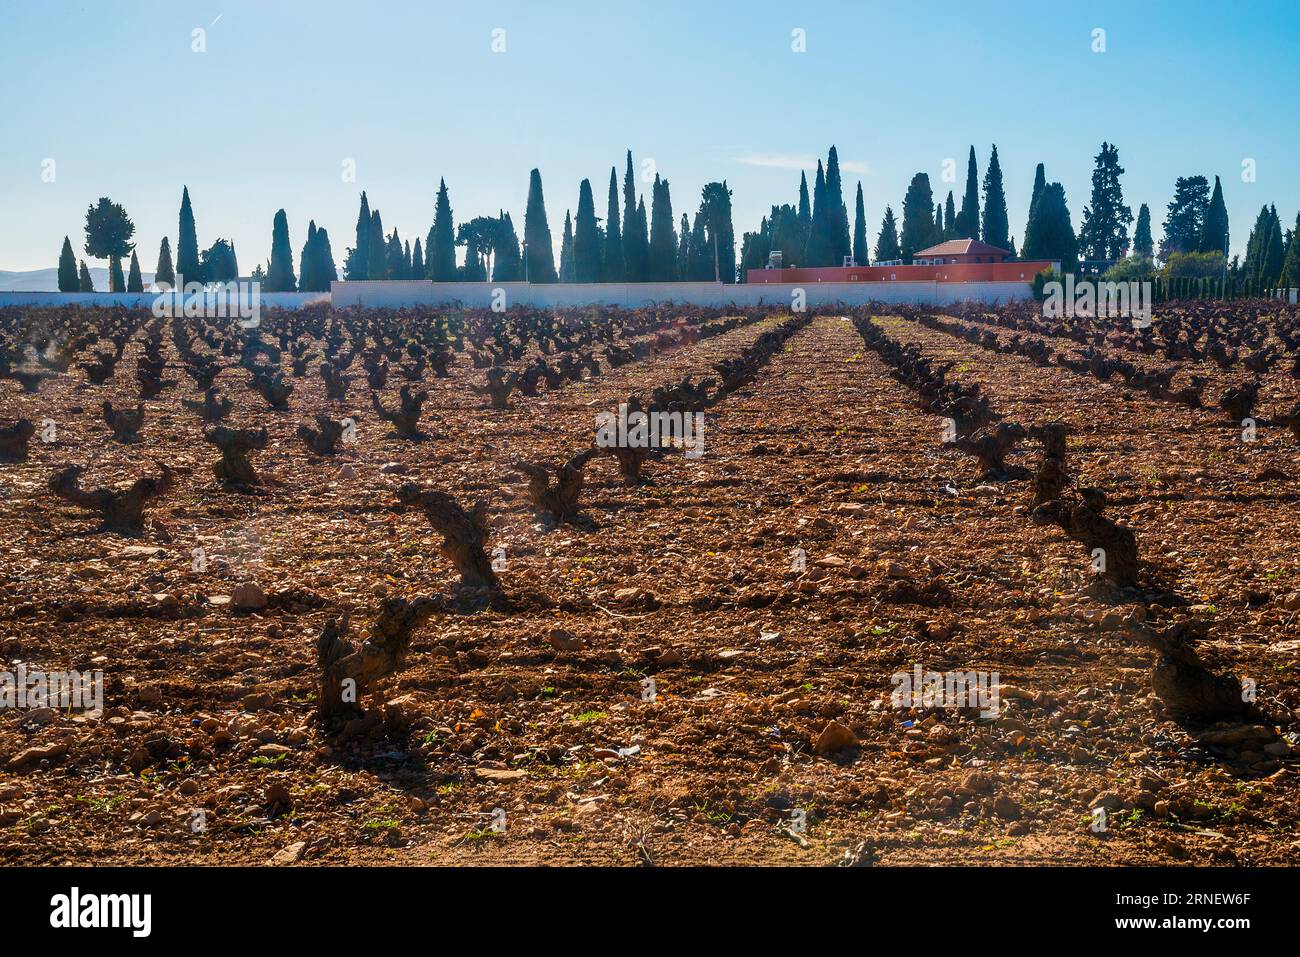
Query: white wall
{"x": 128, "y": 300}
{"x": 393, "y": 294}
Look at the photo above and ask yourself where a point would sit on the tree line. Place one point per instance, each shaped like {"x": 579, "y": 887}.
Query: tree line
{"x": 628, "y": 244}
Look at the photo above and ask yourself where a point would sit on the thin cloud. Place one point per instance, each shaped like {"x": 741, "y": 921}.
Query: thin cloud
{"x": 789, "y": 161}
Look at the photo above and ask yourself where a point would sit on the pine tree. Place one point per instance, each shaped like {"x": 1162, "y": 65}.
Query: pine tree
{"x": 357, "y": 264}
{"x": 996, "y": 229}
{"x": 187, "y": 243}
{"x": 376, "y": 248}
{"x": 1185, "y": 217}
{"x": 887, "y": 249}
{"x": 68, "y": 281}
{"x": 134, "y": 281}
{"x": 418, "y": 270}
{"x": 663, "y": 240}
{"x": 1103, "y": 232}
{"x": 1143, "y": 245}
{"x": 861, "y": 256}
{"x": 586, "y": 237}
{"x": 949, "y": 218}
{"x": 108, "y": 236}
{"x": 968, "y": 220}
{"x": 1050, "y": 234}
{"x": 279, "y": 274}
{"x": 918, "y": 217}
{"x": 441, "y": 248}
{"x": 84, "y": 282}
{"x": 539, "y": 256}
{"x": 1214, "y": 231}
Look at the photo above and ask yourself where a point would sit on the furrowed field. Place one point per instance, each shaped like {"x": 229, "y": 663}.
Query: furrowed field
{"x": 376, "y": 596}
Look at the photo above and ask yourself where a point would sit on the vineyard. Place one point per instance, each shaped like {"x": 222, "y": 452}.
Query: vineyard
{"x": 365, "y": 586}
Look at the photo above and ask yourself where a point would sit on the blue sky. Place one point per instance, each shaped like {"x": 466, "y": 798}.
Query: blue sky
{"x": 287, "y": 91}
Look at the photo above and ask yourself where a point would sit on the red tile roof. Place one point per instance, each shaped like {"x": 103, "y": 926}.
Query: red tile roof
{"x": 962, "y": 247}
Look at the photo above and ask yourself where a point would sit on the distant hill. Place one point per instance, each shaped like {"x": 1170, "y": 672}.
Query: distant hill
{"x": 47, "y": 280}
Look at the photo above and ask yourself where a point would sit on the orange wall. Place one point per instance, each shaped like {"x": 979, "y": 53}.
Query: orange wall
{"x": 950, "y": 272}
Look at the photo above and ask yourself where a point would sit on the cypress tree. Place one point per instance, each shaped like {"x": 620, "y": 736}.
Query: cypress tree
{"x": 918, "y": 217}
{"x": 394, "y": 257}
{"x": 417, "y": 261}
{"x": 441, "y": 248}
{"x": 1270, "y": 265}
{"x": 540, "y": 257}
{"x": 805, "y": 220}
{"x": 613, "y": 268}
{"x": 507, "y": 265}
{"x": 837, "y": 239}
{"x": 1214, "y": 231}
{"x": 406, "y": 265}
{"x": 1040, "y": 181}
{"x": 997, "y": 231}
{"x": 938, "y": 223}
{"x": 134, "y": 281}
{"x": 1290, "y": 278}
{"x": 968, "y": 220}
{"x": 636, "y": 241}
{"x": 163, "y": 272}
{"x": 1050, "y": 235}
{"x": 376, "y": 248}
{"x": 860, "y": 254}
{"x": 116, "y": 281}
{"x": 887, "y": 248}
{"x": 68, "y": 281}
{"x": 1143, "y": 245}
{"x": 358, "y": 264}
{"x": 700, "y": 266}
{"x": 307, "y": 280}
{"x": 84, "y": 282}
{"x": 187, "y": 242}
{"x": 567, "y": 269}
{"x": 279, "y": 275}
{"x": 949, "y": 218}
{"x": 817, "y": 250}
{"x": 586, "y": 237}
{"x": 663, "y": 240}
{"x": 720, "y": 236}
{"x": 684, "y": 249}
{"x": 323, "y": 262}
